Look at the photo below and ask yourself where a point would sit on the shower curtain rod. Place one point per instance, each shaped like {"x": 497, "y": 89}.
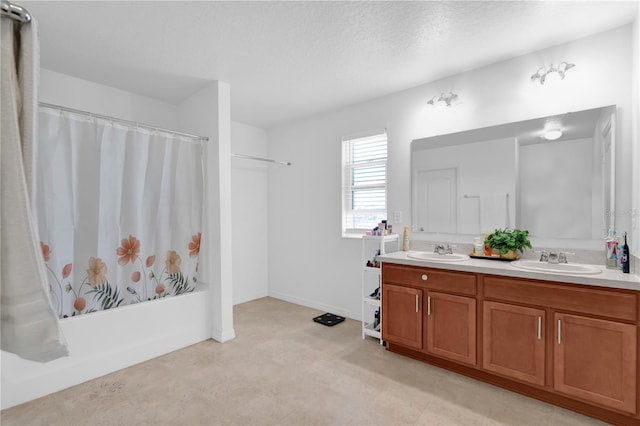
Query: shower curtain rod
{"x": 14, "y": 11}
{"x": 268, "y": 160}
{"x": 120, "y": 120}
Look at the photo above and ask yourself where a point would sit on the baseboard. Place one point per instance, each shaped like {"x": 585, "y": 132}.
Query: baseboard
{"x": 223, "y": 335}
{"x": 316, "y": 305}
{"x": 246, "y": 299}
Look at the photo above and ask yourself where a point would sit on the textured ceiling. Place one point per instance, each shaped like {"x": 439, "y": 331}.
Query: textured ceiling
{"x": 286, "y": 60}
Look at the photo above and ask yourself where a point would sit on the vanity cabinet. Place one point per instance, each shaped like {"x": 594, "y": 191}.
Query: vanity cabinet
{"x": 450, "y": 329}
{"x": 595, "y": 360}
{"x": 568, "y": 344}
{"x": 514, "y": 341}
{"x": 423, "y": 313}
{"x": 402, "y": 319}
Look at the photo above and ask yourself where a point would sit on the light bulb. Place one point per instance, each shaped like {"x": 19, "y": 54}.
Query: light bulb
{"x": 552, "y": 134}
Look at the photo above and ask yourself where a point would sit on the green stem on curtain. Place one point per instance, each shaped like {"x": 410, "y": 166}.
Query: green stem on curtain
{"x": 59, "y": 285}
{"x": 144, "y": 274}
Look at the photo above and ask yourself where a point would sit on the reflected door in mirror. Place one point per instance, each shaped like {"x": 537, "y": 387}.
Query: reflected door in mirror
{"x": 437, "y": 197}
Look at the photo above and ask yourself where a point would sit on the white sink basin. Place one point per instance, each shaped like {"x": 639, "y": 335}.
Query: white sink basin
{"x": 425, "y": 255}
{"x": 558, "y": 268}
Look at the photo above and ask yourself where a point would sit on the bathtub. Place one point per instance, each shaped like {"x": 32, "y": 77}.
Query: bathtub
{"x": 107, "y": 341}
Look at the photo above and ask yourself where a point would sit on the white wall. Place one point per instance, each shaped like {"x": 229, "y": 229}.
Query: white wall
{"x": 311, "y": 264}
{"x": 71, "y": 92}
{"x": 109, "y": 340}
{"x": 249, "y": 213}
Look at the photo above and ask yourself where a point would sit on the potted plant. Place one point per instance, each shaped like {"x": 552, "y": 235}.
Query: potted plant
{"x": 508, "y": 242}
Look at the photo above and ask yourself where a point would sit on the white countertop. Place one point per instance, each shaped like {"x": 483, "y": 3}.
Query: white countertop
{"x": 611, "y": 278}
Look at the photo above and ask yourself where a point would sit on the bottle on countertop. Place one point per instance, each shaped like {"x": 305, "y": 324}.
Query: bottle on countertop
{"x": 625, "y": 256}
{"x": 405, "y": 239}
{"x": 487, "y": 249}
{"x": 613, "y": 250}
{"x": 478, "y": 246}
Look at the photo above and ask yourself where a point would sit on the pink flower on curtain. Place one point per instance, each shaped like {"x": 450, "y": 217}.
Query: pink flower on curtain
{"x": 96, "y": 272}
{"x": 173, "y": 262}
{"x": 135, "y": 277}
{"x": 129, "y": 250}
{"x": 160, "y": 289}
{"x": 66, "y": 271}
{"x": 45, "y": 251}
{"x": 79, "y": 304}
{"x": 150, "y": 261}
{"x": 194, "y": 246}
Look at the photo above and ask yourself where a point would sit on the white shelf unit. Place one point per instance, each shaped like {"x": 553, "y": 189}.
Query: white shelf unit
{"x": 372, "y": 279}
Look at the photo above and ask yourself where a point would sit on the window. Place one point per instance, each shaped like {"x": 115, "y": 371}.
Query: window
{"x": 364, "y": 183}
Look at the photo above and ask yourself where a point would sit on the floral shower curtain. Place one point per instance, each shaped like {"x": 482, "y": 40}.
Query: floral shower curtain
{"x": 119, "y": 211}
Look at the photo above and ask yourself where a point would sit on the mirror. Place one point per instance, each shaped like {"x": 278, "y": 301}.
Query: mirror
{"x": 560, "y": 189}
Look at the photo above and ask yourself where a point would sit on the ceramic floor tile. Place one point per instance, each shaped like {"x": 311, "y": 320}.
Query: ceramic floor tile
{"x": 43, "y": 411}
{"x": 283, "y": 368}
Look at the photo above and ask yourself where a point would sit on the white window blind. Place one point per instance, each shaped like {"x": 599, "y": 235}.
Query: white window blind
{"x": 364, "y": 183}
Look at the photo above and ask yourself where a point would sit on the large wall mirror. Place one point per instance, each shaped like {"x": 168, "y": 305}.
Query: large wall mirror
{"x": 554, "y": 176}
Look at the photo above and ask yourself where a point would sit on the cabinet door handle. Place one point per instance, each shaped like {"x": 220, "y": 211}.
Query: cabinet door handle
{"x": 424, "y": 277}
{"x": 539, "y": 328}
{"x": 417, "y": 303}
{"x": 428, "y": 305}
{"x": 559, "y": 331}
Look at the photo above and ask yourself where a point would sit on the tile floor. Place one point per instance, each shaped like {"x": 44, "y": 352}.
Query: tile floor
{"x": 284, "y": 369}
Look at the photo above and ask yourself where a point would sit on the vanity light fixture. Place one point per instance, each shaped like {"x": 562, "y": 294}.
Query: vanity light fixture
{"x": 543, "y": 72}
{"x": 447, "y": 98}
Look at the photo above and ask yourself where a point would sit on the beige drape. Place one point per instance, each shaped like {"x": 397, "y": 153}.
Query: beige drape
{"x": 29, "y": 325}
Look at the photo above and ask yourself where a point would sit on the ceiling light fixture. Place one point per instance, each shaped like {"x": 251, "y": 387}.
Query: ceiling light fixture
{"x": 552, "y": 135}
{"x": 552, "y": 130}
{"x": 543, "y": 72}
{"x": 447, "y": 98}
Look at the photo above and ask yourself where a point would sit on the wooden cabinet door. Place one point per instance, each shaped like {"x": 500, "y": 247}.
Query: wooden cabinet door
{"x": 402, "y": 315}
{"x": 451, "y": 327}
{"x": 514, "y": 341}
{"x": 596, "y": 360}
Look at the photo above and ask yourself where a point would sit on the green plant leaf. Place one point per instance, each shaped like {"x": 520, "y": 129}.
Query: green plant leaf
{"x": 507, "y": 240}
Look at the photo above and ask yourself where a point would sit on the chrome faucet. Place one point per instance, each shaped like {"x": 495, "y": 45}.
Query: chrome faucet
{"x": 443, "y": 249}
{"x": 544, "y": 256}
{"x": 562, "y": 256}
{"x": 553, "y": 256}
